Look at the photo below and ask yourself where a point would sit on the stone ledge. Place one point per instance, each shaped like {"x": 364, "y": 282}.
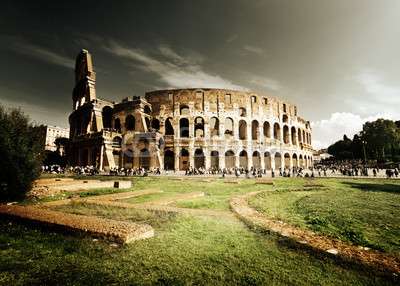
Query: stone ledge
{"x": 120, "y": 231}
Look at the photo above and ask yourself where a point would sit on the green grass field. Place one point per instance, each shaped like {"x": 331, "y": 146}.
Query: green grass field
{"x": 200, "y": 249}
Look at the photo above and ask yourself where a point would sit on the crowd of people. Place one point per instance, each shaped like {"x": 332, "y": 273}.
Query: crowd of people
{"x": 332, "y": 170}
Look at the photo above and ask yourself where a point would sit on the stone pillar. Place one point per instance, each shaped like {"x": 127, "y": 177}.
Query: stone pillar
{"x": 176, "y": 161}
{"x": 191, "y": 156}
{"x": 272, "y": 162}
{"x": 249, "y": 158}
{"x": 102, "y": 153}
{"x": 261, "y": 132}
{"x": 236, "y": 130}
{"x": 237, "y": 161}
{"x": 221, "y": 159}
{"x": 207, "y": 158}
{"x": 262, "y": 163}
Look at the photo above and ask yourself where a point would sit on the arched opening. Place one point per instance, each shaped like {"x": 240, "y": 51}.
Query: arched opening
{"x": 169, "y": 160}
{"x": 184, "y": 110}
{"x": 286, "y": 134}
{"x": 228, "y": 127}
{"x": 130, "y": 122}
{"x": 267, "y": 161}
{"x": 242, "y": 112}
{"x": 85, "y": 158}
{"x": 199, "y": 127}
{"x": 294, "y": 142}
{"x": 117, "y": 142}
{"x": 184, "y": 160}
{"x": 96, "y": 158}
{"x": 295, "y": 160}
{"x": 255, "y": 130}
{"x": 267, "y": 130}
{"x": 242, "y": 130}
{"x": 147, "y": 120}
{"x": 214, "y": 126}
{"x": 147, "y": 110}
{"x": 278, "y": 161}
{"x": 277, "y": 131}
{"x": 287, "y": 160}
{"x": 304, "y": 137}
{"x": 144, "y": 159}
{"x": 107, "y": 114}
{"x": 243, "y": 159}
{"x": 285, "y": 118}
{"x": 184, "y": 127}
{"x": 155, "y": 124}
{"x": 214, "y": 159}
{"x": 78, "y": 127}
{"x": 256, "y": 160}
{"x": 199, "y": 159}
{"x": 169, "y": 130}
{"x": 128, "y": 158}
{"x": 301, "y": 161}
{"x": 117, "y": 125}
{"x": 299, "y": 136}
{"x": 229, "y": 159}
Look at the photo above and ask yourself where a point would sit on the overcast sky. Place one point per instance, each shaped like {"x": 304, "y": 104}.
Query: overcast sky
{"x": 337, "y": 60}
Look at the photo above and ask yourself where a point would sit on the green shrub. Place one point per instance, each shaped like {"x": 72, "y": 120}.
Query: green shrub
{"x": 396, "y": 158}
{"x": 20, "y": 153}
{"x": 383, "y": 160}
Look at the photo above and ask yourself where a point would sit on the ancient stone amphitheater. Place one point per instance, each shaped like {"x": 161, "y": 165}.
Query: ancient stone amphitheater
{"x": 183, "y": 128}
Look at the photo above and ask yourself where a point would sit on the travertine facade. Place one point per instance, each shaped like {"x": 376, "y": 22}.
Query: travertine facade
{"x": 178, "y": 129}
{"x": 50, "y": 134}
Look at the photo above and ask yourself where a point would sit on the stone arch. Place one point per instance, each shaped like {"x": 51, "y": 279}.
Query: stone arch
{"x": 242, "y": 130}
{"x": 256, "y": 159}
{"x": 199, "y": 127}
{"x": 128, "y": 158}
{"x": 155, "y": 124}
{"x": 267, "y": 130}
{"x": 242, "y": 112}
{"x": 130, "y": 122}
{"x": 278, "y": 161}
{"x": 287, "y": 160}
{"x": 295, "y": 161}
{"x": 229, "y": 159}
{"x": 214, "y": 126}
{"x": 117, "y": 142}
{"x": 294, "y": 142}
{"x": 299, "y": 136}
{"x": 255, "y": 130}
{"x": 147, "y": 110}
{"x": 199, "y": 158}
{"x": 184, "y": 110}
{"x": 267, "y": 161}
{"x": 277, "y": 131}
{"x": 285, "y": 119}
{"x": 184, "y": 128}
{"x": 243, "y": 159}
{"x": 107, "y": 114}
{"x": 286, "y": 134}
{"x": 214, "y": 159}
{"x": 96, "y": 158}
{"x": 169, "y": 129}
{"x": 229, "y": 127}
{"x": 144, "y": 158}
{"x": 184, "y": 160}
{"x": 169, "y": 160}
{"x": 117, "y": 124}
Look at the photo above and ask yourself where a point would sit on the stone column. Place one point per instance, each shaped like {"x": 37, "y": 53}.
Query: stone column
{"x": 249, "y": 158}
{"x": 262, "y": 163}
{"x": 191, "y": 156}
{"x": 237, "y": 161}
{"x": 236, "y": 130}
{"x": 207, "y": 158}
{"x": 102, "y": 157}
{"x": 272, "y": 162}
{"x": 176, "y": 161}
{"x": 221, "y": 158}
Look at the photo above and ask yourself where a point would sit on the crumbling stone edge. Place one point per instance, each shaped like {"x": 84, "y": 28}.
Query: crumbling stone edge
{"x": 241, "y": 207}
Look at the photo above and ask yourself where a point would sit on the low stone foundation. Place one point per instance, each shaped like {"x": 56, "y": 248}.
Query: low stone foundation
{"x": 119, "y": 231}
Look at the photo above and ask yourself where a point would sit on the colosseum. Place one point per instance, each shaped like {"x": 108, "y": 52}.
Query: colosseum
{"x": 184, "y": 128}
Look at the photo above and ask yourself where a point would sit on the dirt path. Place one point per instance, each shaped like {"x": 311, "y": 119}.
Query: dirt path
{"x": 374, "y": 258}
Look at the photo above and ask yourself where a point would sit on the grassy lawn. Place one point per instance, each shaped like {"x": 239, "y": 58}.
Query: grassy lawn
{"x": 364, "y": 212}
{"x": 187, "y": 249}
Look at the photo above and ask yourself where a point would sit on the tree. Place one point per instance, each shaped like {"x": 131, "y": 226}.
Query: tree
{"x": 381, "y": 136}
{"x": 20, "y": 152}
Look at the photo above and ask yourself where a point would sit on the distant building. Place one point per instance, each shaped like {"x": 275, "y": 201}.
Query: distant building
{"x": 51, "y": 133}
{"x": 320, "y": 155}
